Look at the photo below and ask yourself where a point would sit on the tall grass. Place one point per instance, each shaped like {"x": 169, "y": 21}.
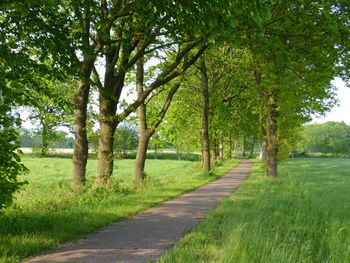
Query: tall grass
{"x": 302, "y": 216}
{"x": 48, "y": 211}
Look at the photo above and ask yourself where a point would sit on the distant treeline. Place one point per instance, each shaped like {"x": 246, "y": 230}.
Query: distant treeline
{"x": 326, "y": 138}
{"x": 125, "y": 142}
{"x": 59, "y": 139}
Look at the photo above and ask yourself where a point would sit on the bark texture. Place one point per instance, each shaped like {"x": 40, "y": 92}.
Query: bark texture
{"x": 108, "y": 99}
{"x": 139, "y": 171}
{"x": 81, "y": 146}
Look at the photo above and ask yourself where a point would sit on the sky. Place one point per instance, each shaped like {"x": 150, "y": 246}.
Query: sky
{"x": 342, "y": 111}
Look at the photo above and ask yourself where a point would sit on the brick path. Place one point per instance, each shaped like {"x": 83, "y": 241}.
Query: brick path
{"x": 149, "y": 234}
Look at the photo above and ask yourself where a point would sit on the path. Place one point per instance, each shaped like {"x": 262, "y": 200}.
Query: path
{"x": 149, "y": 234}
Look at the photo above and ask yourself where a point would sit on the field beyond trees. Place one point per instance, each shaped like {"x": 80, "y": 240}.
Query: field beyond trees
{"x": 47, "y": 211}
{"x": 302, "y": 216}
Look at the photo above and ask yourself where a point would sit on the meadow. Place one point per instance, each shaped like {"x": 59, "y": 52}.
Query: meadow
{"x": 48, "y": 211}
{"x": 302, "y": 216}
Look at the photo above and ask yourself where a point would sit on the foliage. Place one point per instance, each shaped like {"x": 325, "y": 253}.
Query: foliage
{"x": 50, "y": 111}
{"x": 10, "y": 166}
{"x": 59, "y": 139}
{"x": 329, "y": 137}
{"x": 126, "y": 139}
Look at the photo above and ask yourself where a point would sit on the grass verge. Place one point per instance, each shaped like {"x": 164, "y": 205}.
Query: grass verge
{"x": 47, "y": 212}
{"x": 302, "y": 216}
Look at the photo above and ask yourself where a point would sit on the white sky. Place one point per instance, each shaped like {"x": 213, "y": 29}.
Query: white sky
{"x": 342, "y": 111}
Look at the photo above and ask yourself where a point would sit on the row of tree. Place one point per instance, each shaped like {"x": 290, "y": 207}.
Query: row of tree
{"x": 329, "y": 138}
{"x": 248, "y": 69}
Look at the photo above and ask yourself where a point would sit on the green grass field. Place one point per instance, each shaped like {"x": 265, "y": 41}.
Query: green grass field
{"x": 48, "y": 212}
{"x": 302, "y": 216}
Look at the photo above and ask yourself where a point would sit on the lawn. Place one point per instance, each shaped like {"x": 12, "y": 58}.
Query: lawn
{"x": 47, "y": 211}
{"x": 302, "y": 216}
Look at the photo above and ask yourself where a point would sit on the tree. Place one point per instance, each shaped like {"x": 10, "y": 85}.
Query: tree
{"x": 126, "y": 139}
{"x": 177, "y": 33}
{"x": 295, "y": 61}
{"x": 10, "y": 166}
{"x": 329, "y": 137}
{"x": 147, "y": 125}
{"x": 75, "y": 35}
{"x": 50, "y": 111}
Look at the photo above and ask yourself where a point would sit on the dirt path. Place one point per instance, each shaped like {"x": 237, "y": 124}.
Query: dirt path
{"x": 149, "y": 234}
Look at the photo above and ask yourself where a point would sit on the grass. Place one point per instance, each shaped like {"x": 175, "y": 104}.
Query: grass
{"x": 47, "y": 212}
{"x": 302, "y": 216}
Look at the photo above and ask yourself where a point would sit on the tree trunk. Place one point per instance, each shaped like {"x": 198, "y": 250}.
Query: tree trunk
{"x": 214, "y": 154}
{"x": 263, "y": 121}
{"x": 253, "y": 147}
{"x": 230, "y": 147}
{"x": 139, "y": 170}
{"x": 234, "y": 148}
{"x": 45, "y": 143}
{"x": 221, "y": 147}
{"x": 205, "y": 117}
{"x": 262, "y": 151}
{"x": 272, "y": 137}
{"x": 106, "y": 141}
{"x": 244, "y": 146}
{"x": 108, "y": 99}
{"x": 81, "y": 146}
{"x": 147, "y": 132}
{"x": 155, "y": 152}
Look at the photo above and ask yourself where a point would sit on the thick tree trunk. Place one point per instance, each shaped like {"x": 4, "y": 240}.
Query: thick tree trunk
{"x": 108, "y": 99}
{"x": 272, "y": 137}
{"x": 106, "y": 141}
{"x": 205, "y": 117}
{"x": 81, "y": 146}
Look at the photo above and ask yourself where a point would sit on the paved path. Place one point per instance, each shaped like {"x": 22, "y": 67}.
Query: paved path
{"x": 149, "y": 234}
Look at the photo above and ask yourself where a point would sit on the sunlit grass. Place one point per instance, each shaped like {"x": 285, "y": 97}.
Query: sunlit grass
{"x": 48, "y": 212}
{"x": 302, "y": 216}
